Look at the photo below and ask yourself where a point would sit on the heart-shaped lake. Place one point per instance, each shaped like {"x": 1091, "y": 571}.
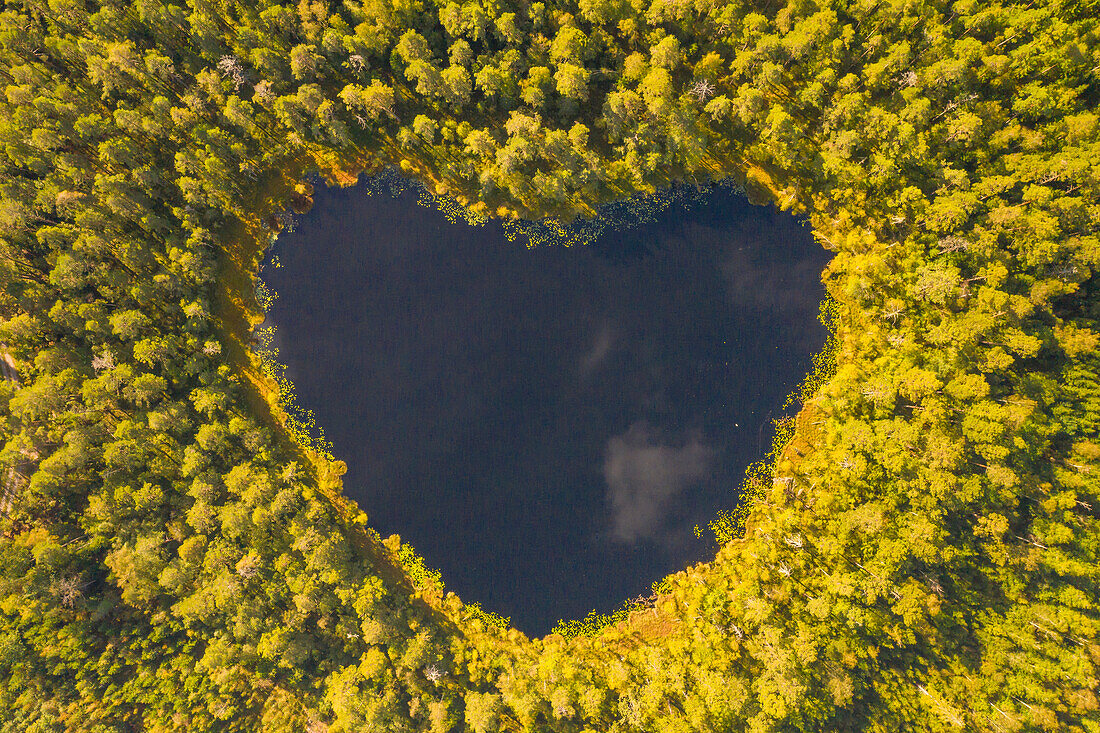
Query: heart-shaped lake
{"x": 547, "y": 425}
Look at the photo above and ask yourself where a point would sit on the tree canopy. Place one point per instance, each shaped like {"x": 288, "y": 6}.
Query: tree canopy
{"x": 919, "y": 554}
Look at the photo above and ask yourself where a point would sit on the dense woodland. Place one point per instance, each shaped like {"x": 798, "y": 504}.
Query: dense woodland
{"x": 921, "y": 556}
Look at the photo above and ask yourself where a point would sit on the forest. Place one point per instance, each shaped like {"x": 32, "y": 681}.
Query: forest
{"x": 919, "y": 551}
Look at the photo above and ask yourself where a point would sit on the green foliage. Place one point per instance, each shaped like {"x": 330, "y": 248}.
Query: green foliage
{"x": 918, "y": 551}
{"x": 489, "y": 618}
{"x": 300, "y": 423}
{"x": 594, "y": 623}
{"x": 418, "y": 572}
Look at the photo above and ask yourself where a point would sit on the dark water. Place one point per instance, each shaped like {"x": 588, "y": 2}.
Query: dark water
{"x": 546, "y": 425}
